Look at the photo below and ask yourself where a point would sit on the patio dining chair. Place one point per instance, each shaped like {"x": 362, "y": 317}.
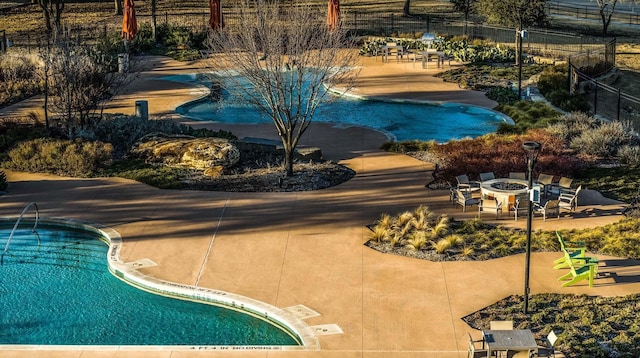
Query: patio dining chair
{"x": 518, "y": 175}
{"x": 464, "y": 199}
{"x": 476, "y": 348}
{"x": 563, "y": 184}
{"x": 545, "y": 345}
{"x": 492, "y": 205}
{"x": 545, "y": 181}
{"x": 520, "y": 208}
{"x": 487, "y": 176}
{"x": 568, "y": 201}
{"x": 501, "y": 325}
{"x": 550, "y": 208}
{"x": 466, "y": 185}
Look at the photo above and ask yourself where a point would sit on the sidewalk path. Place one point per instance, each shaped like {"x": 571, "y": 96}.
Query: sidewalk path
{"x": 307, "y": 247}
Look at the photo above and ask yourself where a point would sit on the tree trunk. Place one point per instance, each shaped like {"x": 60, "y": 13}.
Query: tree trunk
{"x": 118, "y": 4}
{"x": 406, "y": 10}
{"x": 153, "y": 20}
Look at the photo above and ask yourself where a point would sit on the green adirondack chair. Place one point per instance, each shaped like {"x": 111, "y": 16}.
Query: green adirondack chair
{"x": 586, "y": 271}
{"x": 576, "y": 252}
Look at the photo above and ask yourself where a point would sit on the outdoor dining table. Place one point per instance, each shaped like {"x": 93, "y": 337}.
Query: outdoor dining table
{"x": 516, "y": 340}
{"x": 505, "y": 190}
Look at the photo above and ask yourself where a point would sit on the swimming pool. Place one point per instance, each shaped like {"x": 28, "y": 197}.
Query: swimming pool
{"x": 56, "y": 289}
{"x": 401, "y": 120}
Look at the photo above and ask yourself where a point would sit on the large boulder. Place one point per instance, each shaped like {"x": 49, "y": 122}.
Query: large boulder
{"x": 187, "y": 152}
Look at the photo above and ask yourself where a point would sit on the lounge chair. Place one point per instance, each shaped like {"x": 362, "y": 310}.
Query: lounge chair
{"x": 464, "y": 199}
{"x": 550, "y": 208}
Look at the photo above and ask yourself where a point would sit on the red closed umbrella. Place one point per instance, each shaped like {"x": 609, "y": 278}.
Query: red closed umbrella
{"x": 215, "y": 17}
{"x": 129, "y": 23}
{"x": 333, "y": 14}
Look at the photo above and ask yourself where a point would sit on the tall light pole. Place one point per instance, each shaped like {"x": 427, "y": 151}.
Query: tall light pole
{"x": 532, "y": 149}
{"x": 522, "y": 34}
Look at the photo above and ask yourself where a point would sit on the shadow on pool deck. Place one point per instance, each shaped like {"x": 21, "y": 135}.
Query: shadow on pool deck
{"x": 307, "y": 247}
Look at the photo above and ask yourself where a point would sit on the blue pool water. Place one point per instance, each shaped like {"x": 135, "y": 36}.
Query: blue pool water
{"x": 60, "y": 292}
{"x": 399, "y": 120}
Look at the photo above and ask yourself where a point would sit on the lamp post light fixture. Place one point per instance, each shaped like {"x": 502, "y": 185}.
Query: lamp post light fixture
{"x": 532, "y": 150}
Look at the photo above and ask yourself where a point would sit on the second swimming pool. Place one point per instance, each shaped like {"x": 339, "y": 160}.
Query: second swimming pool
{"x": 400, "y": 120}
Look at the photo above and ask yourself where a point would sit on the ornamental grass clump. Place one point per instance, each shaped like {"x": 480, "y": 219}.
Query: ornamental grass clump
{"x": 416, "y": 232}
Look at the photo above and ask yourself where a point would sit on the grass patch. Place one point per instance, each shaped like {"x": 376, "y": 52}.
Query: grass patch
{"x": 618, "y": 183}
{"x": 158, "y": 176}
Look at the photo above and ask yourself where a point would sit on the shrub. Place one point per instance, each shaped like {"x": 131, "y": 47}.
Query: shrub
{"x": 629, "y": 154}
{"x": 63, "y": 157}
{"x": 554, "y": 86}
{"x": 12, "y": 133}
{"x": 527, "y": 115}
{"x": 603, "y": 141}
{"x": 4, "y": 183}
{"x": 502, "y": 95}
{"x": 18, "y": 78}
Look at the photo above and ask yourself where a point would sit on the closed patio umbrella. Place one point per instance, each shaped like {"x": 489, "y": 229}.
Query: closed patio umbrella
{"x": 215, "y": 17}
{"x": 333, "y": 14}
{"x": 129, "y": 23}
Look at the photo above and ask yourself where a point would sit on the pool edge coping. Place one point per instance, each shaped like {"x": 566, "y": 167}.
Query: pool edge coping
{"x": 130, "y": 275}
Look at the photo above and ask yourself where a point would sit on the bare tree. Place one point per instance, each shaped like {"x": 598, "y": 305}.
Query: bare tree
{"x": 513, "y": 13}
{"x": 281, "y": 61}
{"x": 52, "y": 11}
{"x": 606, "y": 9}
{"x": 77, "y": 81}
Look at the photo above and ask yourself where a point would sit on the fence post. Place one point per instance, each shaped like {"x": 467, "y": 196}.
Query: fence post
{"x": 595, "y": 99}
{"x": 3, "y": 41}
{"x": 618, "y": 116}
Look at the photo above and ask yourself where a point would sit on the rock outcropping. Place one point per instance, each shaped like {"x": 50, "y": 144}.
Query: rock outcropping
{"x": 211, "y": 155}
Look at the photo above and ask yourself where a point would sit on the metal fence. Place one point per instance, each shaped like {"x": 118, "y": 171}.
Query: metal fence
{"x": 591, "y": 11}
{"x": 541, "y": 42}
{"x": 589, "y": 79}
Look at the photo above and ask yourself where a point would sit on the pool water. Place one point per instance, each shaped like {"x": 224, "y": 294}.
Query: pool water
{"x": 400, "y": 120}
{"x": 60, "y": 292}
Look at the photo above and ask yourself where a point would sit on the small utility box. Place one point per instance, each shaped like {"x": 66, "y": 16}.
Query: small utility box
{"x": 142, "y": 109}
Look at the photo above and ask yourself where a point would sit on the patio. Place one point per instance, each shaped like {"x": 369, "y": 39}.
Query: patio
{"x": 307, "y": 247}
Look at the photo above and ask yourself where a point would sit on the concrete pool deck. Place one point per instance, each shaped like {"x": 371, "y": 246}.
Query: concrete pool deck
{"x": 287, "y": 249}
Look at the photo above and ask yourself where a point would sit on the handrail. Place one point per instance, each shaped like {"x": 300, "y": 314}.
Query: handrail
{"x": 6, "y": 247}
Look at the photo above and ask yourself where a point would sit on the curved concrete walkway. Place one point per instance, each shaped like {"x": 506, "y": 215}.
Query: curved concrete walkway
{"x": 307, "y": 247}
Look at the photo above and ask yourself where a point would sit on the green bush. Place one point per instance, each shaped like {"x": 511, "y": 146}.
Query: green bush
{"x": 4, "y": 183}
{"x": 554, "y": 86}
{"x": 12, "y": 133}
{"x": 63, "y": 157}
{"x": 527, "y": 115}
{"x": 502, "y": 95}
